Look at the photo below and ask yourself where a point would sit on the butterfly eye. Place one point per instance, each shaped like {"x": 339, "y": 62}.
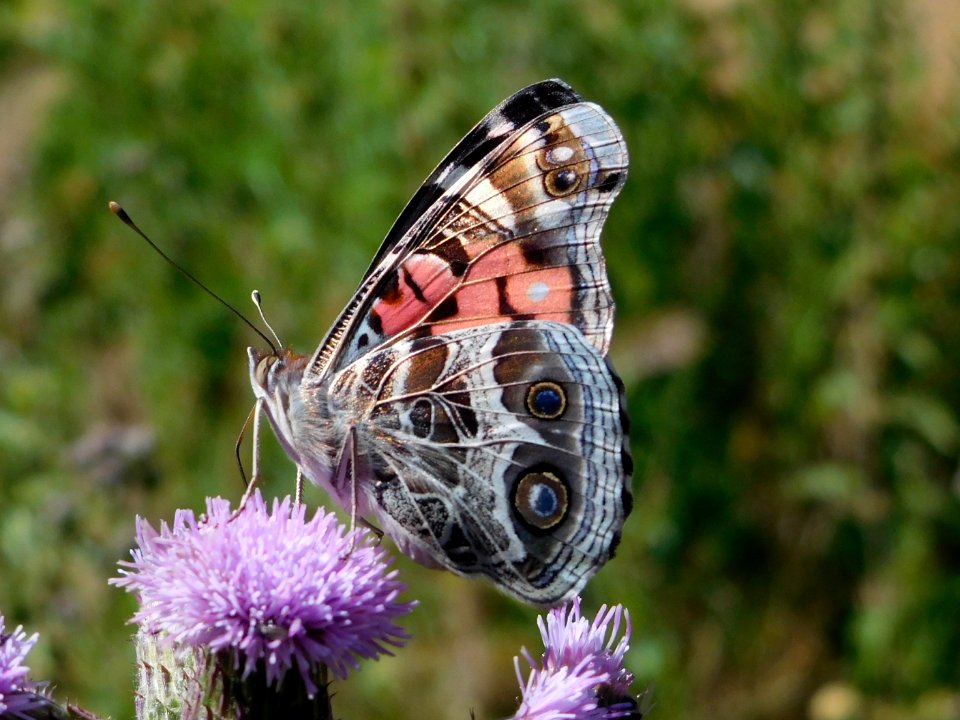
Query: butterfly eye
{"x": 264, "y": 368}
{"x": 546, "y": 400}
{"x": 541, "y": 499}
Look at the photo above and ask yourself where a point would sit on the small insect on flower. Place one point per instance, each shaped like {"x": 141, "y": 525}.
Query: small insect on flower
{"x": 267, "y": 587}
{"x": 580, "y": 675}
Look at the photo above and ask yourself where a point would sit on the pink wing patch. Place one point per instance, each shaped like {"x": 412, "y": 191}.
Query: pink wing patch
{"x": 502, "y": 285}
{"x": 420, "y": 284}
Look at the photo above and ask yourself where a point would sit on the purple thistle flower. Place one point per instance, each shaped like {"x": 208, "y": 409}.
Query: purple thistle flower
{"x": 580, "y": 674}
{"x": 270, "y": 587}
{"x": 18, "y": 695}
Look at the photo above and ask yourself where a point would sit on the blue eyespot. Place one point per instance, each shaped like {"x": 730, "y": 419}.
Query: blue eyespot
{"x": 540, "y": 498}
{"x": 543, "y": 500}
{"x": 546, "y": 400}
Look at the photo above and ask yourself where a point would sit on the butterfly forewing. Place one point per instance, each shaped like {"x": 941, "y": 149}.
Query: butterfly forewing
{"x": 514, "y": 112}
{"x": 515, "y": 237}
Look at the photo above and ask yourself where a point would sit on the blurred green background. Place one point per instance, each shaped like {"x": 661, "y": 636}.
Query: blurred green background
{"x": 785, "y": 256}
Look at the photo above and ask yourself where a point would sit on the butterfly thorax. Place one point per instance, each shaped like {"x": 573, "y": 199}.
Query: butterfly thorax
{"x": 301, "y": 416}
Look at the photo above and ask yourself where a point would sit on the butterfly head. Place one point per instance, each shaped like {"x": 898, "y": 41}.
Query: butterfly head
{"x": 275, "y": 377}
{"x": 274, "y": 374}
{"x": 299, "y": 415}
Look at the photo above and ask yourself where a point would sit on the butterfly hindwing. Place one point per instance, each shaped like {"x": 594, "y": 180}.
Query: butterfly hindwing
{"x": 515, "y": 235}
{"x": 497, "y": 450}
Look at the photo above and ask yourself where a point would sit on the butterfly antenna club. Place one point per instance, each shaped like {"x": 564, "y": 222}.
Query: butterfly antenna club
{"x": 122, "y": 214}
{"x": 258, "y": 301}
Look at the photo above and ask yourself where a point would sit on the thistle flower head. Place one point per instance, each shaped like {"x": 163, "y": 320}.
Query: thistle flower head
{"x": 269, "y": 586}
{"x": 18, "y": 695}
{"x": 580, "y": 675}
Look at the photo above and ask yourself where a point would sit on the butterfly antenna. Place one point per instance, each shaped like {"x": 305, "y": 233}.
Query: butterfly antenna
{"x": 122, "y": 214}
{"x": 257, "y": 300}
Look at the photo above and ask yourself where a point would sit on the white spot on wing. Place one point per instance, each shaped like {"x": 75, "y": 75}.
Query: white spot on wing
{"x": 538, "y": 291}
{"x": 559, "y": 154}
{"x": 504, "y": 127}
{"x": 487, "y": 200}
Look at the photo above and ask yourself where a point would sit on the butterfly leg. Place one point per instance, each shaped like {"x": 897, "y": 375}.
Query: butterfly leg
{"x": 298, "y": 493}
{"x": 347, "y": 472}
{"x": 255, "y": 470}
{"x": 377, "y": 532}
{"x": 239, "y": 443}
{"x": 354, "y": 500}
{"x": 353, "y": 483}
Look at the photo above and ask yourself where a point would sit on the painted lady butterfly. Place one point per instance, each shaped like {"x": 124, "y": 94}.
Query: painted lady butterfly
{"x": 462, "y": 400}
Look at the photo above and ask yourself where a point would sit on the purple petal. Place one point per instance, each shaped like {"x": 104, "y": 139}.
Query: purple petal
{"x": 17, "y": 693}
{"x": 269, "y": 584}
{"x": 580, "y": 674}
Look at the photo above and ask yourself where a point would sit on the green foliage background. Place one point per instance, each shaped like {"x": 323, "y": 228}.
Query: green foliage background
{"x": 784, "y": 255}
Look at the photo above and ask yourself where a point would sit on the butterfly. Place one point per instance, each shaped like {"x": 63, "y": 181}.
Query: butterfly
{"x": 463, "y": 400}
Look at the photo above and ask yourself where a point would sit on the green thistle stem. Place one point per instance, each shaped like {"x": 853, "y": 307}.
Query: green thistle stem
{"x": 190, "y": 684}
